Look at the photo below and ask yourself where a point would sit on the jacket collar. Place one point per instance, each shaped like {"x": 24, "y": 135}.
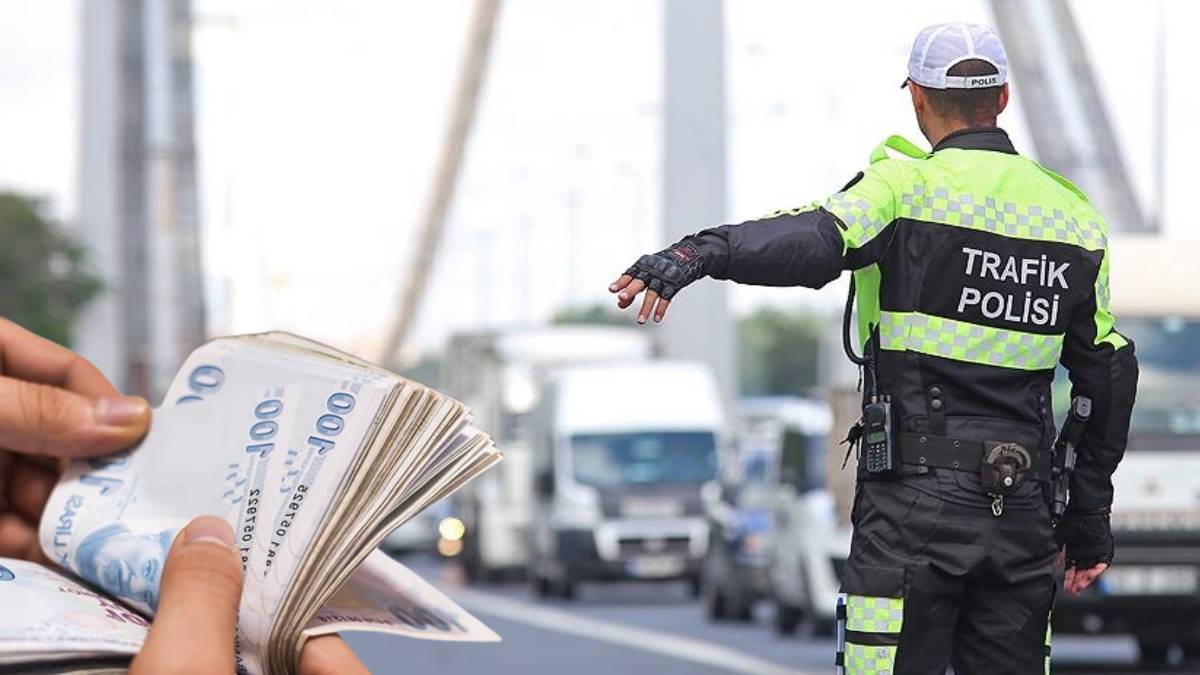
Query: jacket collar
{"x": 978, "y": 138}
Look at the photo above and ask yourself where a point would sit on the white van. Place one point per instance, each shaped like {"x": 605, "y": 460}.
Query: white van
{"x": 500, "y": 375}
{"x": 621, "y": 453}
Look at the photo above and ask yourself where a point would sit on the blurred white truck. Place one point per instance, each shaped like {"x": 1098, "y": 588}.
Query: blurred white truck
{"x": 1152, "y": 590}
{"x": 500, "y": 376}
{"x": 621, "y": 452}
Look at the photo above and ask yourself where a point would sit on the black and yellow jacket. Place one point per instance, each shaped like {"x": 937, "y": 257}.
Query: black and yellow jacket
{"x": 978, "y": 271}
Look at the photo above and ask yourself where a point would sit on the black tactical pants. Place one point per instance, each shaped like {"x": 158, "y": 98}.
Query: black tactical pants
{"x": 932, "y": 582}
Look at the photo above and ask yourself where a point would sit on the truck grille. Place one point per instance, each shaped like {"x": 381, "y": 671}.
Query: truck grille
{"x": 629, "y": 547}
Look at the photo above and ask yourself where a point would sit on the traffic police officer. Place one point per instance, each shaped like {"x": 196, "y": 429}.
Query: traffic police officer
{"x": 978, "y": 271}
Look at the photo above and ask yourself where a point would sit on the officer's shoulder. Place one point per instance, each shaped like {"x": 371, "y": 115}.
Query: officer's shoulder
{"x": 1063, "y": 183}
{"x": 896, "y": 157}
{"x": 1074, "y": 193}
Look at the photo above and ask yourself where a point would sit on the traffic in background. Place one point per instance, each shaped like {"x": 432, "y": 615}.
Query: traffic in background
{"x": 441, "y": 186}
{"x": 654, "y": 523}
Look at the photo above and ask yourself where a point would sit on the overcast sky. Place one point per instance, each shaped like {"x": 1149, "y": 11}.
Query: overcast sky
{"x": 318, "y": 123}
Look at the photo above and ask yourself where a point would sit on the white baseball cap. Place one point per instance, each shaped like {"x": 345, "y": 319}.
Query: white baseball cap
{"x": 939, "y": 48}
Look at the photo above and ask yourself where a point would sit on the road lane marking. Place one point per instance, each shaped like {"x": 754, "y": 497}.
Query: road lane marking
{"x": 645, "y": 639}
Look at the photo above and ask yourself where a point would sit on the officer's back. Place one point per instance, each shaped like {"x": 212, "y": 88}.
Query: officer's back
{"x": 977, "y": 272}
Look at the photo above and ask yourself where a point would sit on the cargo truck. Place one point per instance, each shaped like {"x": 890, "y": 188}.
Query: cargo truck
{"x": 621, "y": 453}
{"x": 1152, "y": 590}
{"x": 500, "y": 375}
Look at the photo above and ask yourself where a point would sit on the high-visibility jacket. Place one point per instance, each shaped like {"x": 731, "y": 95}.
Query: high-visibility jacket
{"x": 978, "y": 271}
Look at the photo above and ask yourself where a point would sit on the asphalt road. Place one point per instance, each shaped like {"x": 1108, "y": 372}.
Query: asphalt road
{"x": 639, "y": 628}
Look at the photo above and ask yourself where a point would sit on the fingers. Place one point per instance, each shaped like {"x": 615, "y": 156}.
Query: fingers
{"x": 30, "y": 485}
{"x": 652, "y": 304}
{"x": 26, "y": 356}
{"x": 626, "y": 297}
{"x": 40, "y": 419}
{"x": 647, "y": 306}
{"x": 621, "y": 282}
{"x": 1082, "y": 578}
{"x": 196, "y": 619}
{"x": 328, "y": 655}
{"x": 1077, "y": 580}
{"x": 19, "y": 539}
{"x": 661, "y": 310}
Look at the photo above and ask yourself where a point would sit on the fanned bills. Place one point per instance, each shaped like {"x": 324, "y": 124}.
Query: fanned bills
{"x": 313, "y": 456}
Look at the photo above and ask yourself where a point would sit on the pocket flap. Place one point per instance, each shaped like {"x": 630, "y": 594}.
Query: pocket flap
{"x": 874, "y": 600}
{"x": 874, "y": 581}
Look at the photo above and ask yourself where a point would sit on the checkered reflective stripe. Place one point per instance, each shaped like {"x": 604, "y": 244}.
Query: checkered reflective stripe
{"x": 863, "y": 221}
{"x": 1024, "y": 221}
{"x": 869, "y": 659}
{"x": 793, "y": 211}
{"x": 964, "y": 341}
{"x": 866, "y": 614}
{"x": 1103, "y": 294}
{"x": 1047, "y": 646}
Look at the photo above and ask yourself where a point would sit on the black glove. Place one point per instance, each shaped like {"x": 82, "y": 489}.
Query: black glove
{"x": 1087, "y": 537}
{"x": 670, "y": 269}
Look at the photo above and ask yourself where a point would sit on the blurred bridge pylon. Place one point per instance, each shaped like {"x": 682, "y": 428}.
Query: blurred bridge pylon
{"x": 138, "y": 211}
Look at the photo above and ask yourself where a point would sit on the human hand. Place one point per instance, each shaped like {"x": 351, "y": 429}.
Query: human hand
{"x": 1079, "y": 579}
{"x": 661, "y": 275}
{"x": 196, "y": 622}
{"x": 1087, "y": 545}
{"x": 54, "y": 405}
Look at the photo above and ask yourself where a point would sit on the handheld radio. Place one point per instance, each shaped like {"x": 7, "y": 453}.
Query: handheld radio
{"x": 877, "y": 454}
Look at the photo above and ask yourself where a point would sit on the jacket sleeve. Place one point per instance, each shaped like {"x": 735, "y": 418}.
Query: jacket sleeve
{"x": 1102, "y": 366}
{"x": 806, "y": 246}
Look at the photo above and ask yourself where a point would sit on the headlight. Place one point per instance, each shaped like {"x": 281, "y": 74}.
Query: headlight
{"x": 451, "y": 529}
{"x": 752, "y": 544}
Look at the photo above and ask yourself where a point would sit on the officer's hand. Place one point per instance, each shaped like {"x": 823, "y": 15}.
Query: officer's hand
{"x": 53, "y": 405}
{"x": 1079, "y": 579}
{"x": 194, "y": 627}
{"x": 661, "y": 275}
{"x": 1086, "y": 538}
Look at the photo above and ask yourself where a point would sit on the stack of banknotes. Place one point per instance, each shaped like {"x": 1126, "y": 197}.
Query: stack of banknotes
{"x": 312, "y": 455}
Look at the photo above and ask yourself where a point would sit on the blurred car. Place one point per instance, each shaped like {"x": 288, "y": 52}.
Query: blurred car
{"x": 738, "y": 508}
{"x": 808, "y": 547}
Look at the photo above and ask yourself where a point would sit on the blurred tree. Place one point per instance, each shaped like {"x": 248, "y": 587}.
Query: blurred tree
{"x": 779, "y": 352}
{"x": 591, "y": 314}
{"x": 44, "y": 281}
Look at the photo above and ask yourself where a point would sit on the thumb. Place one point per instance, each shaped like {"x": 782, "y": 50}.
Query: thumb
{"x": 42, "y": 420}
{"x": 196, "y": 619}
{"x": 328, "y": 655}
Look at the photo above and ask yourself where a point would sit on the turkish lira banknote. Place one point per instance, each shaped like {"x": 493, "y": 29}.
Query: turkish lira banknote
{"x": 311, "y": 455}
{"x": 51, "y": 621}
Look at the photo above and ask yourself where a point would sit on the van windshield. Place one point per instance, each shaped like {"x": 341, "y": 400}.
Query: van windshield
{"x": 1166, "y": 415}
{"x": 1168, "y": 397}
{"x": 644, "y": 458}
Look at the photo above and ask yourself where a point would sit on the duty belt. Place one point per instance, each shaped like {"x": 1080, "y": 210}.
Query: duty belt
{"x": 943, "y": 452}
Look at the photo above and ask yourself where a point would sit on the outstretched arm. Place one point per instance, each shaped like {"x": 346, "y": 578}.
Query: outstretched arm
{"x": 799, "y": 247}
